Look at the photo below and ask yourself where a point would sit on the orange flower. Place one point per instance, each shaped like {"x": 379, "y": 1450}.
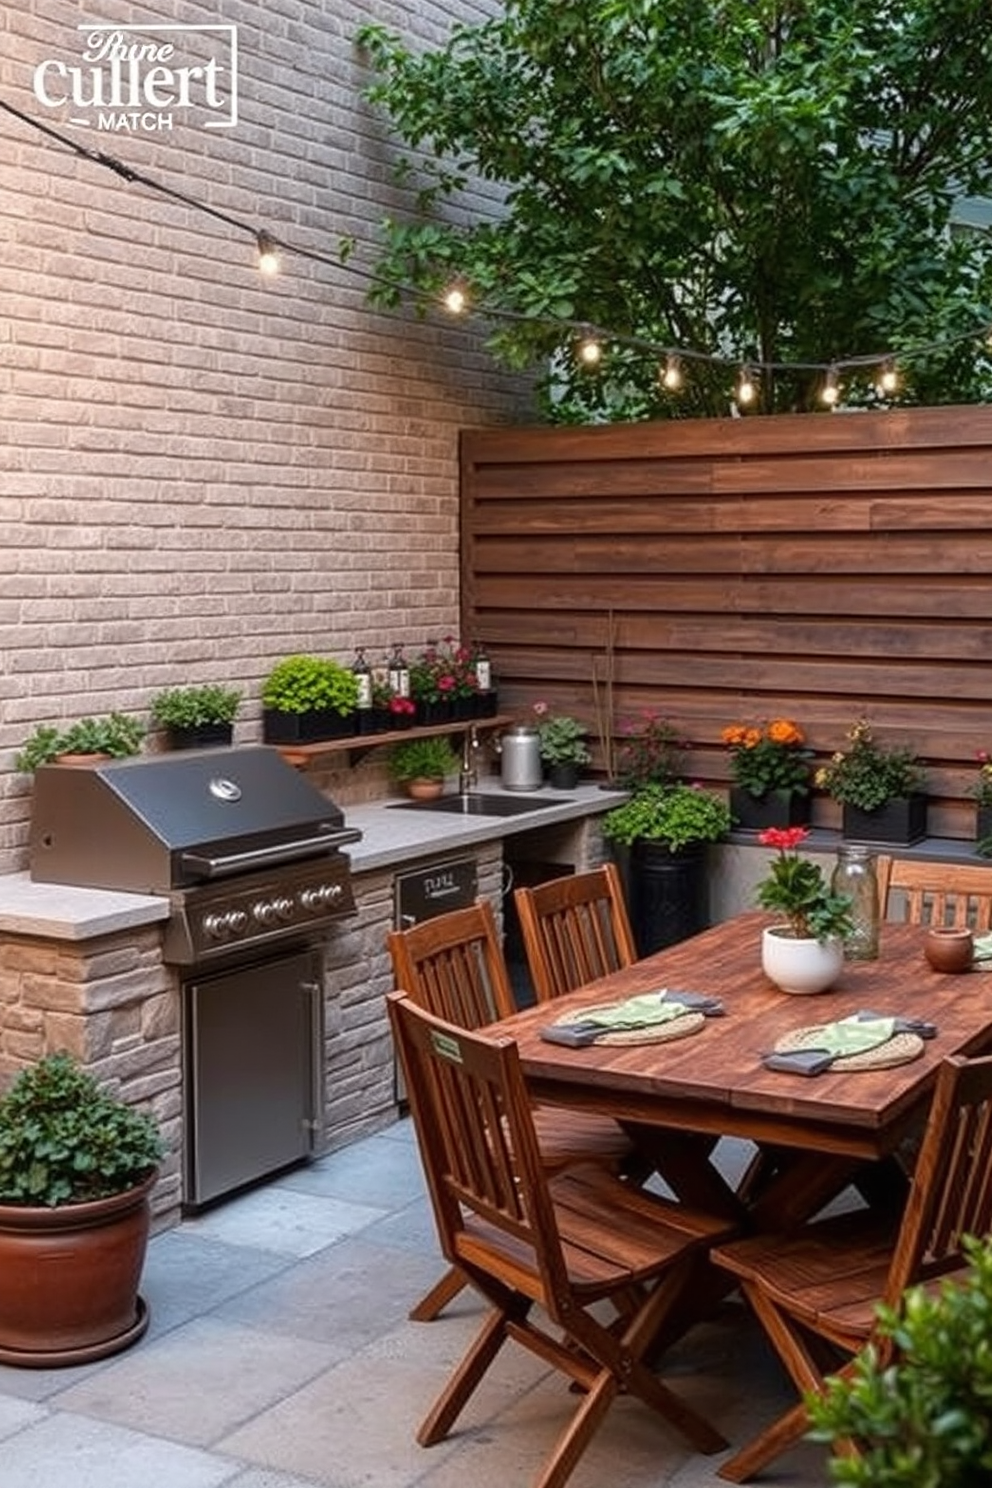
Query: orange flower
{"x": 784, "y": 731}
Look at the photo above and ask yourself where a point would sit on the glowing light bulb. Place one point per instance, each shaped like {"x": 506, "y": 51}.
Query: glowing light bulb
{"x": 590, "y": 351}
{"x": 455, "y": 300}
{"x": 671, "y": 374}
{"x": 831, "y": 388}
{"x": 888, "y": 379}
{"x": 268, "y": 258}
{"x": 746, "y": 390}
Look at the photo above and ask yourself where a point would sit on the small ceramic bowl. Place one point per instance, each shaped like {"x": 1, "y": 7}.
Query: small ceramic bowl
{"x": 949, "y": 950}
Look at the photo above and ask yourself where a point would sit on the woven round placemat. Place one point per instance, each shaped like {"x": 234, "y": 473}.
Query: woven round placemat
{"x": 654, "y": 1033}
{"x": 901, "y": 1048}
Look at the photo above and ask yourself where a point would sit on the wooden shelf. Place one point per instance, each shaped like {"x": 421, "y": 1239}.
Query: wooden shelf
{"x": 357, "y": 746}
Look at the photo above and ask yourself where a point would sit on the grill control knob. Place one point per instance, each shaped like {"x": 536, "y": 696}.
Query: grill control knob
{"x": 264, "y": 911}
{"x": 333, "y": 892}
{"x": 312, "y": 899}
{"x": 215, "y": 926}
{"x": 237, "y": 921}
{"x": 283, "y": 907}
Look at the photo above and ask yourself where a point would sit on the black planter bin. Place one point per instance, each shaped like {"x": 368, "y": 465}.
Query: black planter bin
{"x": 901, "y": 822}
{"x": 667, "y": 893}
{"x": 755, "y": 813}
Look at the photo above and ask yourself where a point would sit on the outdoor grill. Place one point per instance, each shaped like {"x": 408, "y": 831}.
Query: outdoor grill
{"x": 248, "y": 854}
{"x": 245, "y": 848}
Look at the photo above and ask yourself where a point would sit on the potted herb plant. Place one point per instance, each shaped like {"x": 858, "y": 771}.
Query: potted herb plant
{"x": 115, "y": 736}
{"x": 563, "y": 746}
{"x": 880, "y": 788}
{"x": 666, "y": 828}
{"x": 308, "y": 698}
{"x": 919, "y": 1407}
{"x": 805, "y": 951}
{"x": 769, "y": 768}
{"x": 197, "y": 717}
{"x": 77, "y": 1166}
{"x": 421, "y": 765}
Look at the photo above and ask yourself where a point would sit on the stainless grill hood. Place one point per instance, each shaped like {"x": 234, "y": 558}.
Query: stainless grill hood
{"x": 162, "y": 822}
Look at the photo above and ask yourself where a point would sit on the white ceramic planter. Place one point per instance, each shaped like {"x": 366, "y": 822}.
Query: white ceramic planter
{"x": 800, "y": 966}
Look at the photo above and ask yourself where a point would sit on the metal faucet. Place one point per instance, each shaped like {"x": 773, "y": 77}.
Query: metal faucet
{"x": 469, "y": 775}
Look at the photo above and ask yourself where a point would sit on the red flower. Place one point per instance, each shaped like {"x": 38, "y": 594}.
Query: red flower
{"x": 786, "y": 839}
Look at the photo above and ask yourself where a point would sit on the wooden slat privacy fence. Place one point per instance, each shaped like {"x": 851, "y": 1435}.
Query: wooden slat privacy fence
{"x": 817, "y": 567}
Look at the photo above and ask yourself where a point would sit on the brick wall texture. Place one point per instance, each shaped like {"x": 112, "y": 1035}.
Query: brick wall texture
{"x": 203, "y": 470}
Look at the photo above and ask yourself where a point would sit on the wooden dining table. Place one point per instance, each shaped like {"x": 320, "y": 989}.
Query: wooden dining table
{"x": 813, "y": 1135}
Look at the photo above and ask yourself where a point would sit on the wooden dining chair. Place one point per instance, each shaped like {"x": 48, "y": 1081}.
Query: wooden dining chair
{"x": 819, "y": 1287}
{"x": 575, "y": 929}
{"x": 453, "y": 965}
{"x": 525, "y": 1239}
{"x": 950, "y": 894}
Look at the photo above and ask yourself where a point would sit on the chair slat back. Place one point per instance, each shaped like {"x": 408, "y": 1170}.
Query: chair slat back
{"x": 947, "y": 894}
{"x": 453, "y": 965}
{"x": 575, "y": 929}
{"x": 951, "y": 1192}
{"x": 477, "y": 1140}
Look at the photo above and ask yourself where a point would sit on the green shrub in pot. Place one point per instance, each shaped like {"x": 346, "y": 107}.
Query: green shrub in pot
{"x": 115, "y": 735}
{"x": 923, "y": 1417}
{"x": 422, "y": 759}
{"x": 678, "y": 815}
{"x": 310, "y": 684}
{"x": 195, "y": 707}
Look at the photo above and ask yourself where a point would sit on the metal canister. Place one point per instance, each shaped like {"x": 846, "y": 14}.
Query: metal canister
{"x": 520, "y": 758}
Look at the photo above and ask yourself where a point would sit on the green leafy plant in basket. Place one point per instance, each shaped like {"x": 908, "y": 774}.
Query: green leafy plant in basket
{"x": 867, "y": 774}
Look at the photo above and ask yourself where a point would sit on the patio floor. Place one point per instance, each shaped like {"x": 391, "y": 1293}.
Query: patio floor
{"x": 279, "y": 1355}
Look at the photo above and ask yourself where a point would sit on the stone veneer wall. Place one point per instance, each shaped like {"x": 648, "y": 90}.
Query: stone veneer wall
{"x": 204, "y": 470}
{"x": 359, "y": 1088}
{"x": 112, "y": 1003}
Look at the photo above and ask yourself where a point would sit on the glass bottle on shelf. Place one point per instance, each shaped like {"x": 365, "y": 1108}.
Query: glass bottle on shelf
{"x": 399, "y": 673}
{"x": 363, "y": 676}
{"x": 854, "y": 875}
{"x": 484, "y": 680}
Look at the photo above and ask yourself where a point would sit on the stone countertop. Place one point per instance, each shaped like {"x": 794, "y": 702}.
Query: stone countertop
{"x": 392, "y": 835}
{"x": 62, "y": 912}
{"x": 389, "y": 838}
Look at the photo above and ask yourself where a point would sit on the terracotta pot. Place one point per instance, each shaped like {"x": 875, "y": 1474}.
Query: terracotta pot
{"x": 801, "y": 967}
{"x": 81, "y": 759}
{"x": 949, "y": 950}
{"x": 69, "y": 1279}
{"x": 424, "y": 790}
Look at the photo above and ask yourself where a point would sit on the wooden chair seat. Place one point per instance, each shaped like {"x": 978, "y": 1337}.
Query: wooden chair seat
{"x": 453, "y": 966}
{"x": 815, "y": 1292}
{"x": 568, "y": 1244}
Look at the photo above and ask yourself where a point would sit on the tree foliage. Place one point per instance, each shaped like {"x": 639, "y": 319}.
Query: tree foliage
{"x": 767, "y": 181}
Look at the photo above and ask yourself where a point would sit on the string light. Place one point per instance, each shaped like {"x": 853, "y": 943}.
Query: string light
{"x": 831, "y": 387}
{"x": 590, "y": 345}
{"x": 888, "y": 379}
{"x": 746, "y": 390}
{"x": 671, "y": 374}
{"x": 455, "y": 298}
{"x": 268, "y": 258}
{"x": 590, "y": 350}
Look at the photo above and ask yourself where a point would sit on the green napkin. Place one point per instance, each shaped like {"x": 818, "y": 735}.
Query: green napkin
{"x": 854, "y": 1035}
{"x": 636, "y": 1012}
{"x": 983, "y": 948}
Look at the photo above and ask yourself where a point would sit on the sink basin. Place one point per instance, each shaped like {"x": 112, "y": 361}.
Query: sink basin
{"x": 480, "y": 805}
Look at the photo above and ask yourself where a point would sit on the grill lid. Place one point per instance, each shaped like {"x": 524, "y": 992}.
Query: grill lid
{"x": 153, "y": 824}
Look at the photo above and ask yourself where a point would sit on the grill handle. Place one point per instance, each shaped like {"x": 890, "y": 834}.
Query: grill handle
{"x": 263, "y": 857}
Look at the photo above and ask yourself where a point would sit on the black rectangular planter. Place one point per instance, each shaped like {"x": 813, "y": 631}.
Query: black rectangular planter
{"x": 901, "y": 821}
{"x": 306, "y": 728}
{"x": 983, "y": 823}
{"x": 755, "y": 813}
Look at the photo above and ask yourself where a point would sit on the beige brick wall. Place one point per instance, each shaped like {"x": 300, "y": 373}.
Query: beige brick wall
{"x": 202, "y": 470}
